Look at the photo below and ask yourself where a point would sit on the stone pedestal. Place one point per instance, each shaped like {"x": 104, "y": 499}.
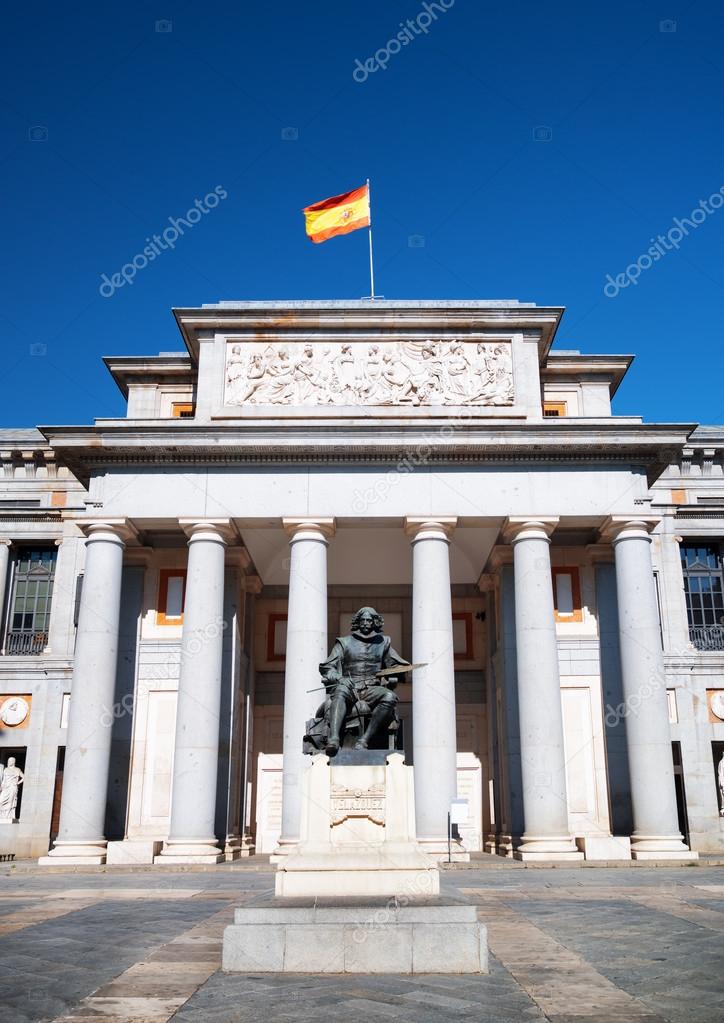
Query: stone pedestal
{"x": 133, "y": 851}
{"x": 357, "y": 834}
{"x": 605, "y": 847}
{"x": 377, "y": 936}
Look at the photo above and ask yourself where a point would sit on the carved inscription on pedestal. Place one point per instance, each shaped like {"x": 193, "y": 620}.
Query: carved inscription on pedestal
{"x": 384, "y": 373}
{"x": 358, "y": 803}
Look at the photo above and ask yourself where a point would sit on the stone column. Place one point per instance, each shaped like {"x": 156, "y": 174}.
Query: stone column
{"x": 191, "y": 836}
{"x": 433, "y": 699}
{"x": 81, "y": 836}
{"x": 648, "y": 738}
{"x": 673, "y": 596}
{"x": 543, "y": 762}
{"x": 4, "y": 560}
{"x": 306, "y": 649}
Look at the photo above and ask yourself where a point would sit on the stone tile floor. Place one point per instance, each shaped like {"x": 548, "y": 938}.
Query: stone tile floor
{"x": 567, "y": 945}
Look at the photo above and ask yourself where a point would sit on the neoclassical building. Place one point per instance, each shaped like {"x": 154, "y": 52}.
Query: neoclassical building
{"x": 171, "y": 580}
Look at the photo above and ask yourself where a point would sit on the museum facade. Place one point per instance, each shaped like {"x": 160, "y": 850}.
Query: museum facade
{"x": 170, "y": 582}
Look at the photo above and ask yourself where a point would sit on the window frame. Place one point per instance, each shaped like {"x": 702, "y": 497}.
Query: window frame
{"x": 554, "y": 409}
{"x": 164, "y": 574}
{"x": 15, "y": 579}
{"x": 183, "y": 409}
{"x": 574, "y": 571}
{"x": 273, "y": 619}
{"x": 468, "y": 654}
{"x": 709, "y": 573}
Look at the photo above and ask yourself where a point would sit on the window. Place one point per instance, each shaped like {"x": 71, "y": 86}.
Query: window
{"x": 552, "y": 409}
{"x": 32, "y": 593}
{"x": 463, "y": 635}
{"x": 276, "y": 637}
{"x": 171, "y": 596}
{"x": 183, "y": 409}
{"x": 717, "y": 752}
{"x": 567, "y": 595}
{"x": 702, "y": 568}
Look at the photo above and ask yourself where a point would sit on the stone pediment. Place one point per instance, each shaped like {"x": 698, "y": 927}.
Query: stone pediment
{"x": 406, "y": 374}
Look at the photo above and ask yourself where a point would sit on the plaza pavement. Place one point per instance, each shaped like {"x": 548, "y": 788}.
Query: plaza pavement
{"x": 569, "y": 945}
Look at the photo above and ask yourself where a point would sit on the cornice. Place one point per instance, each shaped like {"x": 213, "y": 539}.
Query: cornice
{"x": 580, "y": 368}
{"x": 326, "y": 318}
{"x": 90, "y": 449}
{"x": 150, "y": 369}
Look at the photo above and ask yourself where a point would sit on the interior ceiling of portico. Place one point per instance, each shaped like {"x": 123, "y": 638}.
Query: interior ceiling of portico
{"x": 370, "y": 556}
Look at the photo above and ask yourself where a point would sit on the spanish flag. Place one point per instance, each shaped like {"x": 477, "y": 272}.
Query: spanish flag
{"x": 338, "y": 215}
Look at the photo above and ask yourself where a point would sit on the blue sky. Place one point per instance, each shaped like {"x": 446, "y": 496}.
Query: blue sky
{"x": 528, "y": 149}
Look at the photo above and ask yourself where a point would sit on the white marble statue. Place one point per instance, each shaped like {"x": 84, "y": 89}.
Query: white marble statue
{"x": 720, "y": 779}
{"x": 417, "y": 373}
{"x": 11, "y": 778}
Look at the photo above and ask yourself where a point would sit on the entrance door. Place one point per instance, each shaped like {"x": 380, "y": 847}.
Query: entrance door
{"x": 680, "y": 792}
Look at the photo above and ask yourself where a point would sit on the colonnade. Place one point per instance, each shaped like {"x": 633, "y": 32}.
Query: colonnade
{"x": 191, "y": 836}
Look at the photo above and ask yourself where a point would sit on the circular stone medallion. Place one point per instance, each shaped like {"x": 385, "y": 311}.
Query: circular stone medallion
{"x": 717, "y": 704}
{"x": 15, "y": 710}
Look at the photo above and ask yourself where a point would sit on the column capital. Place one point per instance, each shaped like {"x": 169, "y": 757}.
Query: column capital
{"x": 627, "y": 527}
{"x": 218, "y": 530}
{"x": 599, "y": 553}
{"x": 500, "y": 555}
{"x": 238, "y": 557}
{"x": 252, "y": 584}
{"x": 488, "y": 582}
{"x": 430, "y": 527}
{"x": 5, "y": 542}
{"x": 308, "y": 528}
{"x": 522, "y": 527}
{"x": 138, "y": 556}
{"x": 110, "y": 530}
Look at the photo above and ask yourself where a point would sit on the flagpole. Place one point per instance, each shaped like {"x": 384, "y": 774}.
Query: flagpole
{"x": 372, "y": 268}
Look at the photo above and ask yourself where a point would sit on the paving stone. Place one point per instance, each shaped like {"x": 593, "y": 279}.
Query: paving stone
{"x": 648, "y": 938}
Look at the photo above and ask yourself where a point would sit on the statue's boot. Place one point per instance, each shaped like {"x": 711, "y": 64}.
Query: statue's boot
{"x": 337, "y": 714}
{"x": 379, "y": 719}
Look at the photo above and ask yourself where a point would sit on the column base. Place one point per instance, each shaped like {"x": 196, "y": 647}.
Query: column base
{"x": 191, "y": 851}
{"x": 500, "y": 845}
{"x": 232, "y": 849}
{"x": 556, "y": 848}
{"x": 285, "y": 847}
{"x": 437, "y": 850}
{"x": 247, "y": 846}
{"x": 75, "y": 854}
{"x": 660, "y": 847}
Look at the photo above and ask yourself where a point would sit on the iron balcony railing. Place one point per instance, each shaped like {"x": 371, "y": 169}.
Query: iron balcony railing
{"x": 27, "y": 643}
{"x": 707, "y": 637}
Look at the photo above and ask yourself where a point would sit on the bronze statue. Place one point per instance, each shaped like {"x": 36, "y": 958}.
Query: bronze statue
{"x": 354, "y": 690}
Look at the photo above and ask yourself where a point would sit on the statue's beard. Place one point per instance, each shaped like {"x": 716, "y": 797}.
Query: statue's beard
{"x": 364, "y": 635}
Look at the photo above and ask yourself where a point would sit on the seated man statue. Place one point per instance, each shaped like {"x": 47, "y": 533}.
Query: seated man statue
{"x": 349, "y": 673}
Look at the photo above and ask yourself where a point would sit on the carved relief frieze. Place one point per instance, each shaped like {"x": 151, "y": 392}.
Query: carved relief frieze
{"x": 412, "y": 373}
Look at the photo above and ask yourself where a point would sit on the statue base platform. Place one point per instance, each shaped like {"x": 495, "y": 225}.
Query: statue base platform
{"x": 357, "y": 833}
{"x": 435, "y": 935}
